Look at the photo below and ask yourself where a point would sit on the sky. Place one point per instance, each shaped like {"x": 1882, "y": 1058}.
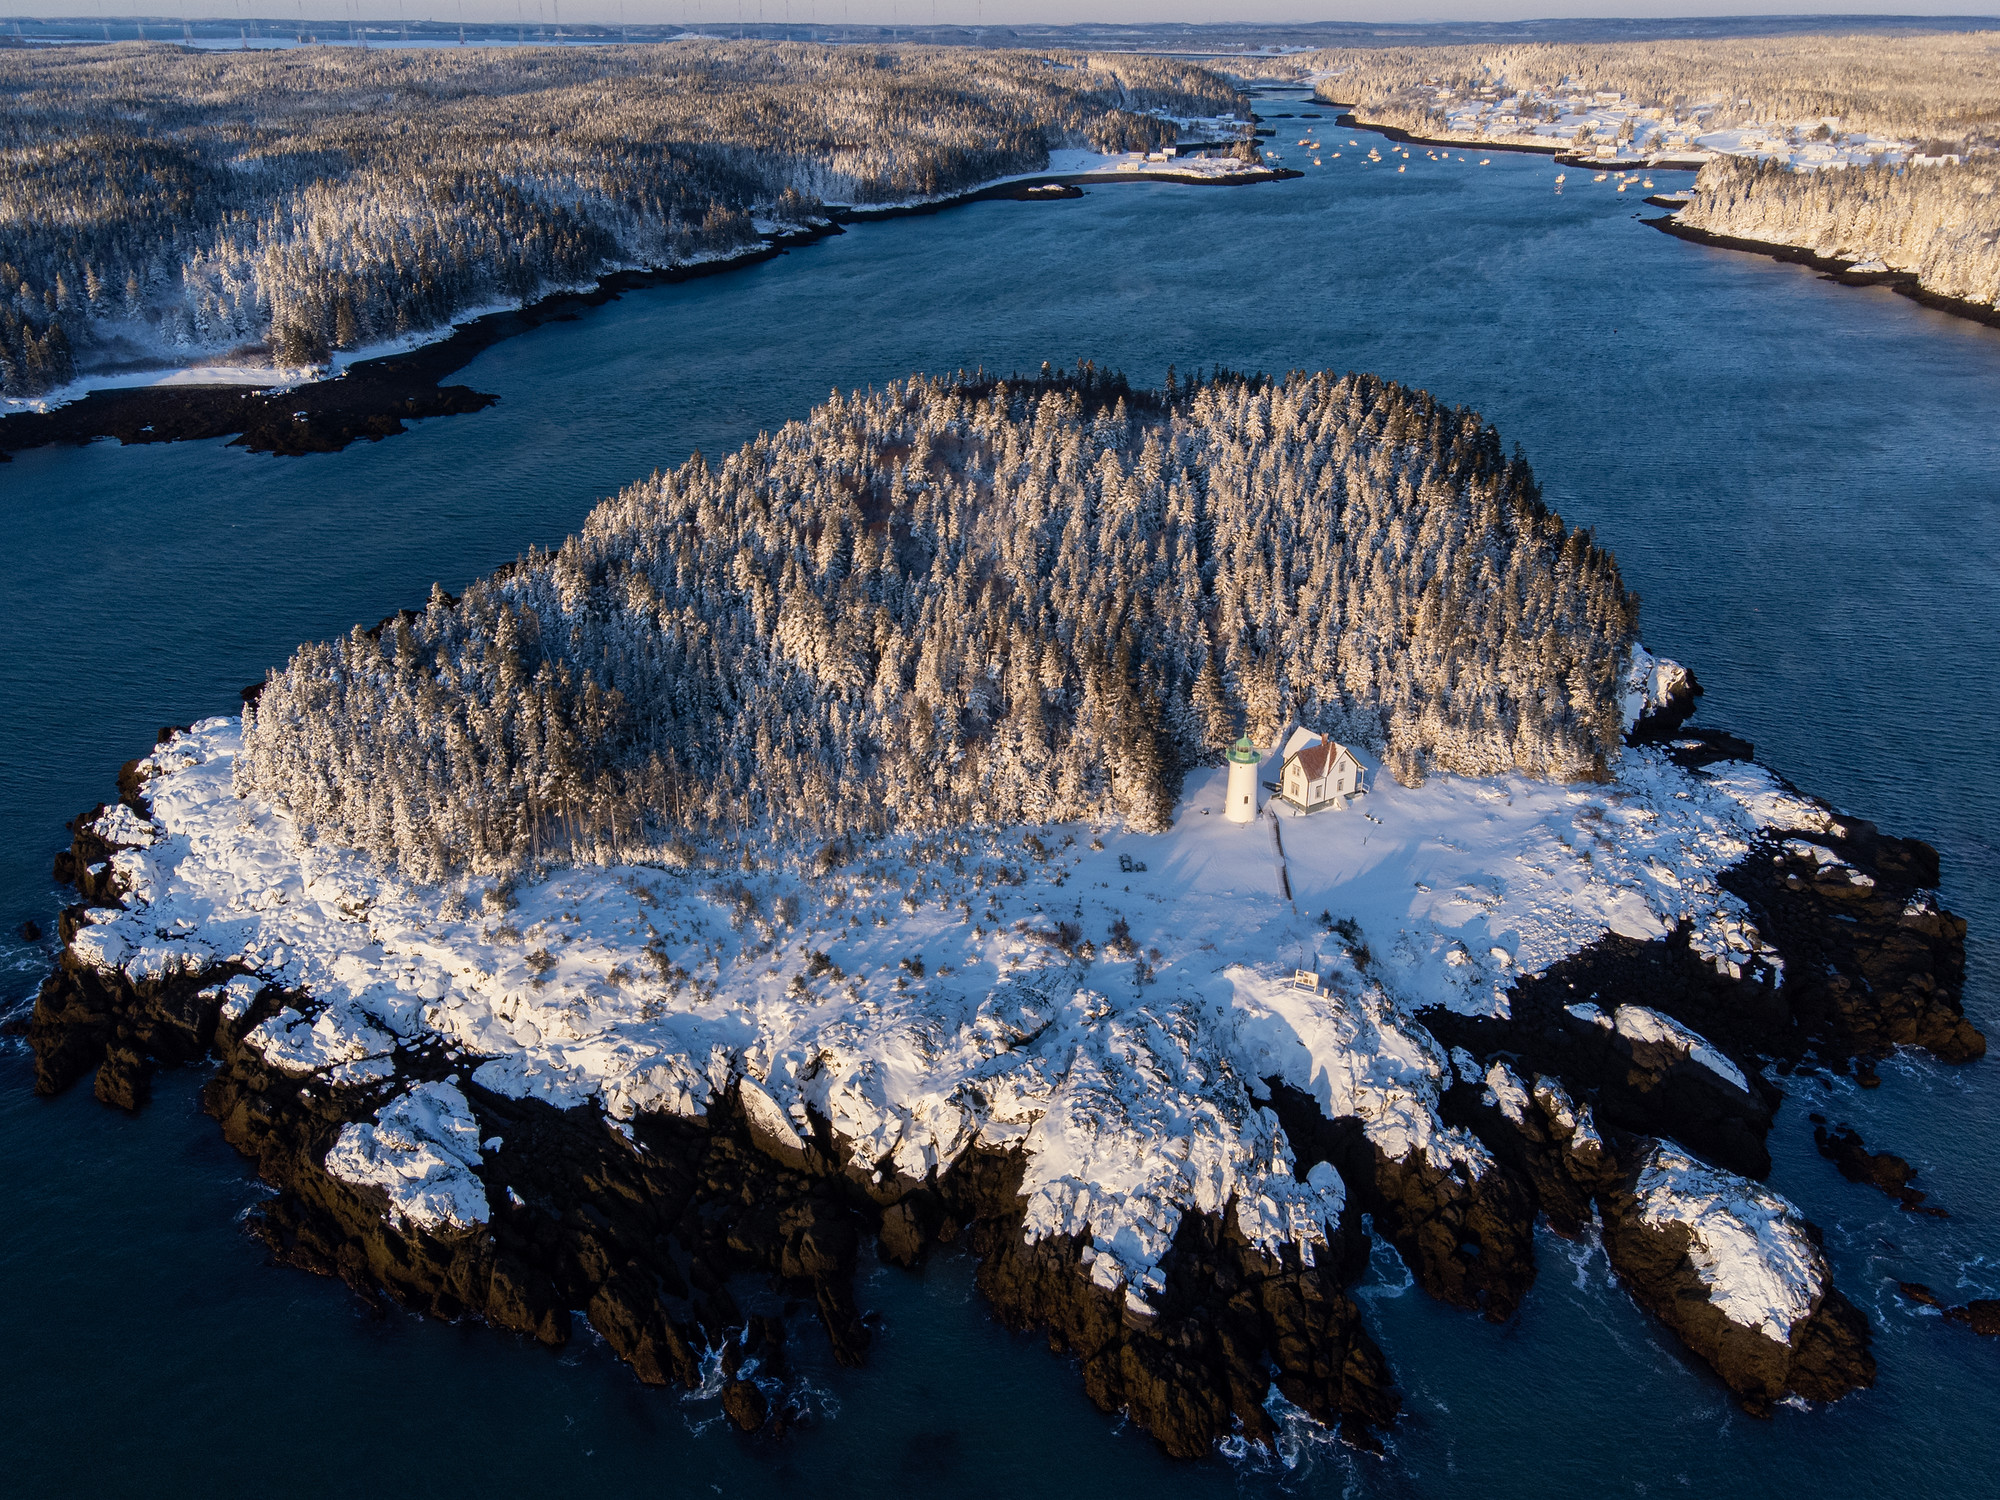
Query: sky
{"x": 959, "y": 12}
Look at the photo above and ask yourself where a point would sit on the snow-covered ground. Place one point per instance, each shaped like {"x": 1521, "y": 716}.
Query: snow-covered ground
{"x": 1618, "y": 128}
{"x": 1109, "y": 1001}
{"x": 256, "y": 372}
{"x": 260, "y": 376}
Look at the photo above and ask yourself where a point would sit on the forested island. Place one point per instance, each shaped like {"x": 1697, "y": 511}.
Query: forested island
{"x": 1049, "y": 589}
{"x": 822, "y": 856}
{"x": 161, "y": 207}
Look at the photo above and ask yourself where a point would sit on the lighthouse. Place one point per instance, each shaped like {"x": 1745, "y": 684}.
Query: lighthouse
{"x": 1242, "y": 804}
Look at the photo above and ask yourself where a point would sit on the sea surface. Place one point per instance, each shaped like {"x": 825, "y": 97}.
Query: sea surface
{"x": 1800, "y": 479}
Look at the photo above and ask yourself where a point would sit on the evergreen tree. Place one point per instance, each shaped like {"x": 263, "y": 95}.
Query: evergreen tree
{"x": 1023, "y": 632}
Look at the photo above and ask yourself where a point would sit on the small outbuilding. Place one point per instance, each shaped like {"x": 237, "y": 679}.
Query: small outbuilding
{"x": 1318, "y": 773}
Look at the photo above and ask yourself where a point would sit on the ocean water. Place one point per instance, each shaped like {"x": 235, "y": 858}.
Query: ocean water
{"x": 1799, "y": 478}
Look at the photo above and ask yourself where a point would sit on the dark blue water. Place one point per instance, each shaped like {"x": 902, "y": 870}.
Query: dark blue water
{"x": 1799, "y": 478}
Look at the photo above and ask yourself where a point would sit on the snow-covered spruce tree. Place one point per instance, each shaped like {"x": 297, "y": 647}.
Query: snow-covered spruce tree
{"x": 967, "y": 600}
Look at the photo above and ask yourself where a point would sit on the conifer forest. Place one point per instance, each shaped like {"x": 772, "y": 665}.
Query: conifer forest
{"x": 1939, "y": 220}
{"x": 1929, "y": 86}
{"x": 158, "y": 205}
{"x": 968, "y": 601}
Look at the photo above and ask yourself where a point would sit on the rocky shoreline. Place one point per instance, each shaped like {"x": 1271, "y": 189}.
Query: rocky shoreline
{"x": 1589, "y": 1119}
{"x": 373, "y": 399}
{"x": 1902, "y": 283}
{"x": 642, "y": 1233}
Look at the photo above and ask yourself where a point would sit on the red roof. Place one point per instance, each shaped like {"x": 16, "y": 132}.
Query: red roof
{"x": 1317, "y": 760}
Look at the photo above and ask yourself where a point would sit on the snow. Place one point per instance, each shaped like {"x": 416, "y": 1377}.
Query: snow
{"x": 1650, "y": 682}
{"x": 1768, "y": 802}
{"x": 119, "y": 825}
{"x": 1505, "y": 1093}
{"x": 1503, "y": 118}
{"x": 421, "y": 1151}
{"x": 336, "y": 1042}
{"x": 1349, "y": 1049}
{"x": 254, "y": 370}
{"x": 260, "y": 376}
{"x": 1749, "y": 1246}
{"x": 1643, "y": 1025}
{"x": 1068, "y": 163}
{"x": 238, "y": 995}
{"x": 1575, "y": 1121}
{"x": 1828, "y": 861}
{"x": 917, "y": 999}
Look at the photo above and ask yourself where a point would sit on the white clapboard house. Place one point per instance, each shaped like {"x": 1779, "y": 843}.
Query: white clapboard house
{"x": 1317, "y": 772}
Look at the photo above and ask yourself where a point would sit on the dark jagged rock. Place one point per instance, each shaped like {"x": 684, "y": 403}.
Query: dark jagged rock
{"x": 1562, "y": 1172}
{"x": 1871, "y": 963}
{"x": 745, "y": 1404}
{"x": 1468, "y": 1240}
{"x": 1827, "y": 1354}
{"x": 29, "y": 931}
{"x": 644, "y": 1241}
{"x": 1199, "y": 1365}
{"x": 1662, "y": 721}
{"x": 1882, "y": 1170}
{"x": 123, "y": 1077}
{"x": 1640, "y": 1086}
{"x": 902, "y": 1237}
{"x": 644, "y": 1233}
{"x": 1982, "y": 1315}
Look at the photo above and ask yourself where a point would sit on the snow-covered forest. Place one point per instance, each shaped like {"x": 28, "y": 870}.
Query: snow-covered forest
{"x": 157, "y": 204}
{"x": 966, "y": 601}
{"x": 1939, "y": 90}
{"x": 1940, "y": 221}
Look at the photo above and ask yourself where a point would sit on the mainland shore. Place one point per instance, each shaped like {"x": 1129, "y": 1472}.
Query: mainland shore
{"x": 374, "y": 398}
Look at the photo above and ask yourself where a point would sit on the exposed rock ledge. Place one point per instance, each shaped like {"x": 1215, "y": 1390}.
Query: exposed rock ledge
{"x": 1623, "y": 1082}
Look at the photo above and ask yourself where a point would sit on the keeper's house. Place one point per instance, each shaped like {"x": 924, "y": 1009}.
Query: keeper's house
{"x": 1317, "y": 773}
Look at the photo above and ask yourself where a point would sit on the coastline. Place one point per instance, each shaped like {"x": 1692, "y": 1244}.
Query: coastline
{"x": 535, "y": 1198}
{"x": 373, "y": 399}
{"x": 1348, "y": 120}
{"x": 1903, "y": 283}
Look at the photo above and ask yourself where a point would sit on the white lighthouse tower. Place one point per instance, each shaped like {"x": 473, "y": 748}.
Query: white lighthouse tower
{"x": 1243, "y": 760}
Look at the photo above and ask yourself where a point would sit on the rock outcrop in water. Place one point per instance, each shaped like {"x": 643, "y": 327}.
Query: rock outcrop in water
{"x": 1624, "y": 1084}
{"x": 644, "y": 1241}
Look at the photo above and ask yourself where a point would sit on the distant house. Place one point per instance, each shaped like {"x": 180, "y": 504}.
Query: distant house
{"x": 1317, "y": 772}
